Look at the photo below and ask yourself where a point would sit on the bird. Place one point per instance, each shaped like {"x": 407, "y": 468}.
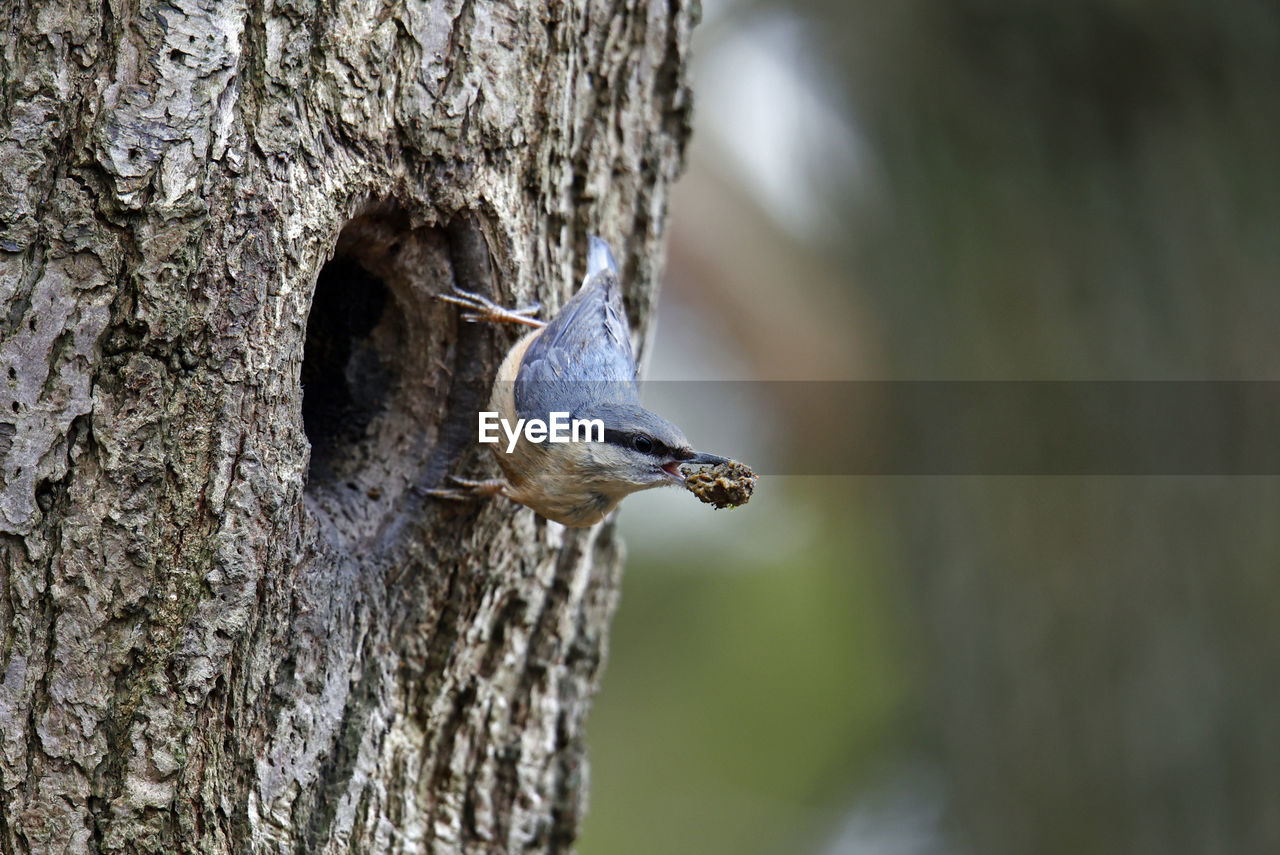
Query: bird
{"x": 580, "y": 364}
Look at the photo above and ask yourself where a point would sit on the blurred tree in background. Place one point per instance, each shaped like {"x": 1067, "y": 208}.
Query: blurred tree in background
{"x": 1083, "y": 191}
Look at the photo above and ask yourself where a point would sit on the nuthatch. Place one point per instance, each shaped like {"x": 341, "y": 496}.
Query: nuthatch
{"x": 581, "y": 363}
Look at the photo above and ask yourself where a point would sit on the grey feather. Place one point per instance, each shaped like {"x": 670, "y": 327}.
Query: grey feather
{"x": 583, "y": 357}
{"x": 599, "y": 257}
{"x": 631, "y": 417}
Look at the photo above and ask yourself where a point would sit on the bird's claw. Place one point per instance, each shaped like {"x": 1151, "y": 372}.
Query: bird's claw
{"x": 482, "y": 309}
{"x": 468, "y": 489}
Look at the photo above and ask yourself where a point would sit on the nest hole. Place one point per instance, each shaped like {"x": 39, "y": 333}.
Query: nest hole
{"x": 374, "y": 376}
{"x": 349, "y": 364}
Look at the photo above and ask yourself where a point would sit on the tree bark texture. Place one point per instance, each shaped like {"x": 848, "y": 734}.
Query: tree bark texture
{"x": 223, "y": 633}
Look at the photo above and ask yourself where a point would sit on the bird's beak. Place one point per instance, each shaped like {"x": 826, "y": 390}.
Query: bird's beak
{"x": 701, "y": 459}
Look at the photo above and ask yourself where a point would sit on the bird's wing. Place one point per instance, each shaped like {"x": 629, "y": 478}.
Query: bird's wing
{"x": 584, "y": 355}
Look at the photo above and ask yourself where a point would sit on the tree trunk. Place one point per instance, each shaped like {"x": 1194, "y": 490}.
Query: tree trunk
{"x": 224, "y": 632}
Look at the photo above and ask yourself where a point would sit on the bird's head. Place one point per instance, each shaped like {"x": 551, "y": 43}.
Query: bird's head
{"x": 640, "y": 450}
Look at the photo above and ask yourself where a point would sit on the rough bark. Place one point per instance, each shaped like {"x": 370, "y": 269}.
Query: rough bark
{"x": 223, "y": 632}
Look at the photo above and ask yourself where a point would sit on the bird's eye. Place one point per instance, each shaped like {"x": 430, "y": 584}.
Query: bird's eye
{"x": 642, "y": 443}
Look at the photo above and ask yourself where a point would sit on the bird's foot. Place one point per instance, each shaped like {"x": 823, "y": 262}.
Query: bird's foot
{"x": 467, "y": 489}
{"x": 482, "y": 309}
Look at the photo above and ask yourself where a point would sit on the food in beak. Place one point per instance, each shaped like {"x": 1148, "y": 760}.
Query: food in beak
{"x": 726, "y": 485}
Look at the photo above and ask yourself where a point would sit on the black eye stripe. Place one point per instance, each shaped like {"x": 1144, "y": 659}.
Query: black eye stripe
{"x": 636, "y": 442}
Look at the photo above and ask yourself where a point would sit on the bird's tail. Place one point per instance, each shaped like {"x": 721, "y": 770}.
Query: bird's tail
{"x": 599, "y": 257}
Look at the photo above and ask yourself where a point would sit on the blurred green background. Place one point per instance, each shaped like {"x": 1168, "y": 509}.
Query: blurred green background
{"x": 984, "y": 665}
